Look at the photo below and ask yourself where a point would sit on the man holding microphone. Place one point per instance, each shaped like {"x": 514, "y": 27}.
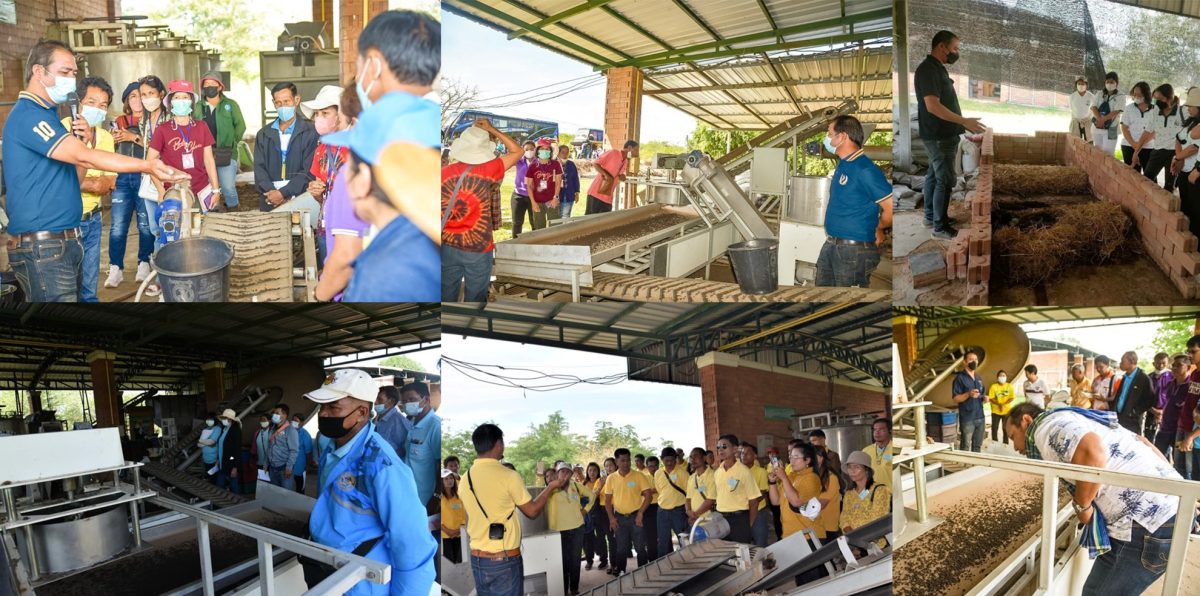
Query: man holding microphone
{"x": 44, "y": 164}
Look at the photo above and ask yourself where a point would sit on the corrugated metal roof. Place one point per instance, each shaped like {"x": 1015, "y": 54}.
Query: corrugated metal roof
{"x": 159, "y": 346}
{"x": 661, "y": 340}
{"x": 683, "y": 44}
{"x": 1047, "y": 314}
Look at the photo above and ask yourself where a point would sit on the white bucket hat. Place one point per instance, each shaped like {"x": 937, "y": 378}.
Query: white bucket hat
{"x": 329, "y": 95}
{"x": 347, "y": 382}
{"x": 1193, "y": 98}
{"x": 473, "y": 146}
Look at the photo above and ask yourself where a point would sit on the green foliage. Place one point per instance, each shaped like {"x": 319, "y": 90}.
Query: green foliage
{"x": 714, "y": 142}
{"x": 402, "y": 362}
{"x": 649, "y": 148}
{"x": 459, "y": 444}
{"x": 1158, "y": 48}
{"x": 564, "y": 138}
{"x": 1171, "y": 337}
{"x": 547, "y": 442}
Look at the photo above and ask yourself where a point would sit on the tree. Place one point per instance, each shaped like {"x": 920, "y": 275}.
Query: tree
{"x": 607, "y": 438}
{"x": 459, "y": 445}
{"x": 1158, "y": 48}
{"x": 456, "y": 96}
{"x": 717, "y": 142}
{"x": 402, "y": 362}
{"x": 547, "y": 442}
{"x": 1171, "y": 337}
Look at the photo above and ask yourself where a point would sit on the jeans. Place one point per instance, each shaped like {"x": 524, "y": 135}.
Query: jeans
{"x": 758, "y": 531}
{"x": 670, "y": 523}
{"x": 542, "y": 218}
{"x": 628, "y": 534}
{"x": 595, "y": 205}
{"x": 1164, "y": 441}
{"x": 126, "y": 203}
{"x": 505, "y": 577}
{"x": 302, "y": 202}
{"x": 152, "y": 218}
{"x": 91, "y": 229}
{"x": 939, "y": 181}
{"x": 277, "y": 475}
{"x": 572, "y": 541}
{"x": 473, "y": 268}
{"x": 1160, "y": 159}
{"x": 998, "y": 425}
{"x": 48, "y": 270}
{"x": 225, "y": 480}
{"x": 1131, "y": 566}
{"x": 846, "y": 265}
{"x": 970, "y": 434}
{"x": 520, "y": 205}
{"x": 564, "y": 208}
{"x": 226, "y": 175}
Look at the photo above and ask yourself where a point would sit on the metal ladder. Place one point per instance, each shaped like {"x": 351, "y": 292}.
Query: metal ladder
{"x": 666, "y": 573}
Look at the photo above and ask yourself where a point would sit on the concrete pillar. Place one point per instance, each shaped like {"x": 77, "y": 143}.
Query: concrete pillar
{"x": 214, "y": 384}
{"x": 623, "y": 114}
{"x": 904, "y": 333}
{"x": 902, "y": 128}
{"x": 104, "y": 389}
{"x": 353, "y": 21}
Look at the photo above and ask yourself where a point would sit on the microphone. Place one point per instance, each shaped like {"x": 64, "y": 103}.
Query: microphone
{"x": 73, "y": 102}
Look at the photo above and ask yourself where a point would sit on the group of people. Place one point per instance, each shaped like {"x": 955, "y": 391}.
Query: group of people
{"x": 546, "y": 188}
{"x": 352, "y": 158}
{"x": 645, "y": 506}
{"x": 1155, "y": 127}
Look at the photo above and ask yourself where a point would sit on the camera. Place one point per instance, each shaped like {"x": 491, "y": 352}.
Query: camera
{"x": 496, "y": 531}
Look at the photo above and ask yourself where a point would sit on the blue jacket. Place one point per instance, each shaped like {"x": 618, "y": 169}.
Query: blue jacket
{"x": 210, "y": 452}
{"x": 306, "y": 449}
{"x": 367, "y": 493}
{"x": 570, "y": 186}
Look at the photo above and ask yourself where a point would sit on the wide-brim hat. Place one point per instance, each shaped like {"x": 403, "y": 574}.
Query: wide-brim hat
{"x": 858, "y": 457}
{"x": 473, "y": 146}
{"x": 329, "y": 95}
{"x": 1193, "y": 98}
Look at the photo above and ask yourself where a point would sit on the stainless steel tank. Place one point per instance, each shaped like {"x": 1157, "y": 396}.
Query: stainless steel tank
{"x": 846, "y": 439}
{"x": 666, "y": 195}
{"x": 807, "y": 200}
{"x": 193, "y": 55}
{"x": 92, "y": 538}
{"x": 121, "y": 67}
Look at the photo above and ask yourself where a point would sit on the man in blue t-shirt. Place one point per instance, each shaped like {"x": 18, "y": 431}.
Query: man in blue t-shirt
{"x": 968, "y": 394}
{"x": 860, "y": 209}
{"x": 43, "y": 164}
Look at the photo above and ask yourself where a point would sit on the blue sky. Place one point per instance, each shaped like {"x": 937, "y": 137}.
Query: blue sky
{"x": 485, "y": 58}
{"x": 657, "y": 410}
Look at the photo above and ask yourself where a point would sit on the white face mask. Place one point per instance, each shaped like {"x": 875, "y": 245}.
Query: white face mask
{"x": 1081, "y": 88}
{"x": 209, "y": 423}
{"x": 1002, "y": 379}
{"x": 1110, "y": 86}
{"x": 225, "y": 421}
{"x": 529, "y": 154}
{"x": 151, "y": 103}
{"x": 295, "y": 424}
{"x": 264, "y": 424}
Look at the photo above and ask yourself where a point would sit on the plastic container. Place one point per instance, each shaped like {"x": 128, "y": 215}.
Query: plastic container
{"x": 194, "y": 270}
{"x": 756, "y": 265}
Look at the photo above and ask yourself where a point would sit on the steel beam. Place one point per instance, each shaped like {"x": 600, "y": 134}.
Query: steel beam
{"x": 554, "y": 18}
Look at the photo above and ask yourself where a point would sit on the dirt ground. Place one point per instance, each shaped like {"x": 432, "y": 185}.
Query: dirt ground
{"x": 909, "y": 235}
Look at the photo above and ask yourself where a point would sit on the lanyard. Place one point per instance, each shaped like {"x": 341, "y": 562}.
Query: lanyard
{"x": 187, "y": 142}
{"x": 332, "y": 163}
{"x": 283, "y": 153}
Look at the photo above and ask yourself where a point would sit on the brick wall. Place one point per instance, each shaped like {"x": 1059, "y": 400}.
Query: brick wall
{"x": 969, "y": 255}
{"x": 30, "y": 27}
{"x": 735, "y": 393}
{"x": 1042, "y": 148}
{"x": 1164, "y": 230}
{"x": 352, "y": 23}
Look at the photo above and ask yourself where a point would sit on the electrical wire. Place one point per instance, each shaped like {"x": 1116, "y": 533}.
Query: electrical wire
{"x": 526, "y": 379}
{"x": 536, "y": 99}
{"x": 587, "y": 76}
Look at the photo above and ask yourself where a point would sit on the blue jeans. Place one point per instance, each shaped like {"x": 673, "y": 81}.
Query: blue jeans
{"x": 91, "y": 228}
{"x": 845, "y": 265}
{"x": 277, "y": 476}
{"x": 758, "y": 531}
{"x": 498, "y": 578}
{"x": 225, "y": 480}
{"x": 670, "y": 522}
{"x": 473, "y": 268}
{"x": 1131, "y": 566}
{"x": 48, "y": 270}
{"x": 564, "y": 208}
{"x": 939, "y": 181}
{"x": 225, "y": 179}
{"x": 125, "y": 203}
{"x": 970, "y": 434}
{"x": 151, "y": 206}
{"x": 628, "y": 534}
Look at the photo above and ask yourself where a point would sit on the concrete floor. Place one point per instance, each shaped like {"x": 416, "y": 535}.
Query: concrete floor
{"x": 910, "y": 235}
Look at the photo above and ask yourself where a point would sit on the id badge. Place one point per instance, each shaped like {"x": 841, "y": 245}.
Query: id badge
{"x": 1194, "y": 388}
{"x": 631, "y": 484}
{"x": 189, "y": 162}
{"x": 541, "y": 185}
{"x": 732, "y": 482}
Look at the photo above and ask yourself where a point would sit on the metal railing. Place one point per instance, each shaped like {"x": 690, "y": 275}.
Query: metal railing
{"x": 350, "y": 569}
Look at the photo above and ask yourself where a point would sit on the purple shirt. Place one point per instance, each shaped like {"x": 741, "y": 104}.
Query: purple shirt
{"x": 1176, "y": 395}
{"x": 1161, "y": 381}
{"x": 522, "y": 167}
{"x": 340, "y": 219}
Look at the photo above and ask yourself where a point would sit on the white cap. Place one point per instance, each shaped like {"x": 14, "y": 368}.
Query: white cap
{"x": 346, "y": 382}
{"x": 562, "y": 465}
{"x": 447, "y": 472}
{"x": 329, "y": 95}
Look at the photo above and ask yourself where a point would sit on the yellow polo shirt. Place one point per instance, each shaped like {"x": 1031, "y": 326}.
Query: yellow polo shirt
{"x": 832, "y": 512}
{"x": 808, "y": 485}
{"x": 453, "y": 514}
{"x": 735, "y": 487}
{"x": 881, "y": 462}
{"x": 597, "y": 487}
{"x": 668, "y": 497}
{"x": 564, "y": 509}
{"x": 760, "y": 478}
{"x": 104, "y": 142}
{"x": 500, "y": 491}
{"x": 626, "y": 491}
{"x": 701, "y": 488}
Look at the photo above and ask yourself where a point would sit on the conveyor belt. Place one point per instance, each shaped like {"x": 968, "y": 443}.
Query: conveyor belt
{"x": 648, "y": 288}
{"x": 669, "y": 572}
{"x": 192, "y": 485}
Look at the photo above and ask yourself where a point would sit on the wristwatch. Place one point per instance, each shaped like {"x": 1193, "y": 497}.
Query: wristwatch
{"x": 1079, "y": 509}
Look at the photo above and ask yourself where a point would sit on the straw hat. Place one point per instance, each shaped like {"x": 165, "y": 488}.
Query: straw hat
{"x": 473, "y": 146}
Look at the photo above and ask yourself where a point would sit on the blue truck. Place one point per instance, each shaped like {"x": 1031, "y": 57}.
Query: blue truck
{"x": 521, "y": 129}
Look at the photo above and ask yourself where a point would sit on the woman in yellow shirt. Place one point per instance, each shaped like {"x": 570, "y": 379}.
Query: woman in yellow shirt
{"x": 601, "y": 538}
{"x": 864, "y": 501}
{"x": 794, "y": 492}
{"x": 453, "y": 517}
{"x": 565, "y": 511}
{"x": 1001, "y": 395}
{"x": 831, "y": 493}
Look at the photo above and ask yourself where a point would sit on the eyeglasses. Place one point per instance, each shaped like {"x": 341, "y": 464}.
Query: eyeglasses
{"x": 721, "y": 447}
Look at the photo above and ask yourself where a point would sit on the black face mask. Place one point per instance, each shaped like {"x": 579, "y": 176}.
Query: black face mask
{"x": 211, "y": 92}
{"x": 1162, "y": 105}
{"x": 952, "y": 57}
{"x": 972, "y": 365}
{"x": 333, "y": 426}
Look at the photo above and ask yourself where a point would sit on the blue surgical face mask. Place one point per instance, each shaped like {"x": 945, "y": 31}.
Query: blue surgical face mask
{"x": 286, "y": 113}
{"x": 275, "y": 418}
{"x": 93, "y": 115}
{"x": 412, "y": 408}
{"x": 62, "y": 87}
{"x": 829, "y": 145}
{"x": 364, "y": 94}
{"x": 380, "y": 408}
{"x": 181, "y": 107}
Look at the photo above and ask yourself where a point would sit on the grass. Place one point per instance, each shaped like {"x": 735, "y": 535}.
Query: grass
{"x": 996, "y": 107}
{"x": 506, "y": 190}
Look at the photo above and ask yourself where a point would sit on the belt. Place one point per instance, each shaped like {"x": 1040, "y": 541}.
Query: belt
{"x": 500, "y": 556}
{"x": 89, "y": 214}
{"x": 16, "y": 240}
{"x": 844, "y": 242}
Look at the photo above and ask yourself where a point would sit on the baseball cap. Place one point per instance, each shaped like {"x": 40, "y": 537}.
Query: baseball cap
{"x": 346, "y": 382}
{"x": 562, "y": 465}
{"x": 447, "y": 472}
{"x": 397, "y": 116}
